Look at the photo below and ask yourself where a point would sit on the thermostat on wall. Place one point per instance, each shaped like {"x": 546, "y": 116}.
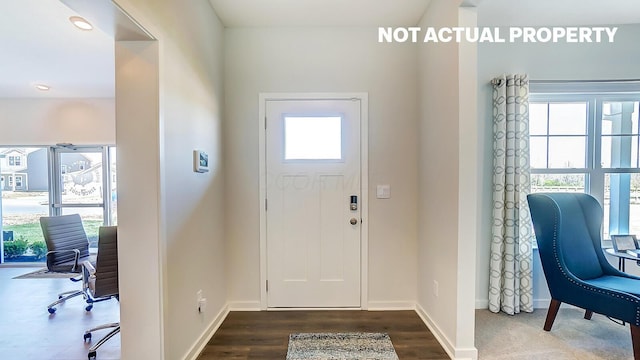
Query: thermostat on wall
{"x": 200, "y": 161}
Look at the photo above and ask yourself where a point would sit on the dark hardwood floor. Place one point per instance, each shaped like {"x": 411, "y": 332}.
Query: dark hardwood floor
{"x": 265, "y": 335}
{"x": 28, "y": 332}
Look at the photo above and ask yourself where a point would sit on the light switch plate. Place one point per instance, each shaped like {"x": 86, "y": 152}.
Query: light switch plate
{"x": 383, "y": 192}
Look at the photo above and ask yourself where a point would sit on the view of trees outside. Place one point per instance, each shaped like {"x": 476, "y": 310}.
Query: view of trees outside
{"x": 557, "y": 182}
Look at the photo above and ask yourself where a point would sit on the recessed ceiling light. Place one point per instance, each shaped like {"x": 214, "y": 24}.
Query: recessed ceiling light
{"x": 42, "y": 87}
{"x": 81, "y": 23}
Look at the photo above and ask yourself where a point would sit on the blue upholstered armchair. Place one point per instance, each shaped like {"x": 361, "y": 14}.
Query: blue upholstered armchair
{"x": 567, "y": 228}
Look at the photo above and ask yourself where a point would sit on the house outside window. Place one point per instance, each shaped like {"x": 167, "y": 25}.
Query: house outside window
{"x": 587, "y": 139}
{"x": 18, "y": 181}
{"x": 10, "y": 180}
{"x": 14, "y": 160}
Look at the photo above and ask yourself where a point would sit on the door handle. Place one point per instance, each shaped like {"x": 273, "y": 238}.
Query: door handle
{"x": 353, "y": 221}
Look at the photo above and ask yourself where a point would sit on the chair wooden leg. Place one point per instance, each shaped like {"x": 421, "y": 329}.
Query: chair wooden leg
{"x": 551, "y": 314}
{"x": 635, "y": 339}
{"x": 588, "y": 314}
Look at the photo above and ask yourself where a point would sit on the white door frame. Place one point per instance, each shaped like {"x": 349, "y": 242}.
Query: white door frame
{"x": 364, "y": 181}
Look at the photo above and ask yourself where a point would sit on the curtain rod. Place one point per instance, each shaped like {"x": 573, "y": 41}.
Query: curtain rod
{"x": 585, "y": 86}
{"x": 584, "y": 81}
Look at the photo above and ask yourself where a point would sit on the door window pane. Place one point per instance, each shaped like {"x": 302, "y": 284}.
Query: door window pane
{"x": 313, "y": 138}
{"x": 82, "y": 180}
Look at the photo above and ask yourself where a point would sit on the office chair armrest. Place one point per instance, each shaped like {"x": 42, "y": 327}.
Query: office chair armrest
{"x": 91, "y": 270}
{"x": 88, "y": 277}
{"x": 75, "y": 259}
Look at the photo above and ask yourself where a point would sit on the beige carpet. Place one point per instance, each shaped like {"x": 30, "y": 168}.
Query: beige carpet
{"x": 500, "y": 336}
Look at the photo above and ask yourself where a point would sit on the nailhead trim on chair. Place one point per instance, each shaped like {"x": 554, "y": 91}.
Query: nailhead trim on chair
{"x": 585, "y": 286}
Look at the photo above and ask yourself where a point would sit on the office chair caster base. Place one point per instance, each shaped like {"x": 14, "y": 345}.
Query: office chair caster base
{"x": 89, "y": 307}
{"x": 62, "y": 298}
{"x": 87, "y": 336}
{"x": 91, "y": 355}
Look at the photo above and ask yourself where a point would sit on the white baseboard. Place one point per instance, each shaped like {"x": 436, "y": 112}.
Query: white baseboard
{"x": 541, "y": 303}
{"x": 244, "y": 306}
{"x": 466, "y": 354}
{"x": 199, "y": 345}
{"x": 452, "y": 351}
{"x": 390, "y": 305}
{"x": 482, "y": 304}
{"x": 371, "y": 306}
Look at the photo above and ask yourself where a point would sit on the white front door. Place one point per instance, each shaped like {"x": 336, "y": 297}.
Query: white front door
{"x": 313, "y": 216}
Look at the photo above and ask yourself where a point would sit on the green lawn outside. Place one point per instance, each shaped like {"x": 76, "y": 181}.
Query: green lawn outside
{"x": 32, "y": 232}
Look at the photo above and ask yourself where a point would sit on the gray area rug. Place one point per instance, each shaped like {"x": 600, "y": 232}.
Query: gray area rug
{"x": 520, "y": 337}
{"x": 45, "y": 274}
{"x": 340, "y": 346}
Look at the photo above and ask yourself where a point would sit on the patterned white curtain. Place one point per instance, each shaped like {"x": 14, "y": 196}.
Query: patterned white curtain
{"x": 510, "y": 281}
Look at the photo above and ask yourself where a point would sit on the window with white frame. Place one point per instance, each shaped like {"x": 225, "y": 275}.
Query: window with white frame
{"x": 586, "y": 139}
{"x": 58, "y": 181}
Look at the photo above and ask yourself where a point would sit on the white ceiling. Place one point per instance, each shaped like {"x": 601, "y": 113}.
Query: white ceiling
{"x": 293, "y": 13}
{"x": 38, "y": 44}
{"x": 252, "y": 13}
